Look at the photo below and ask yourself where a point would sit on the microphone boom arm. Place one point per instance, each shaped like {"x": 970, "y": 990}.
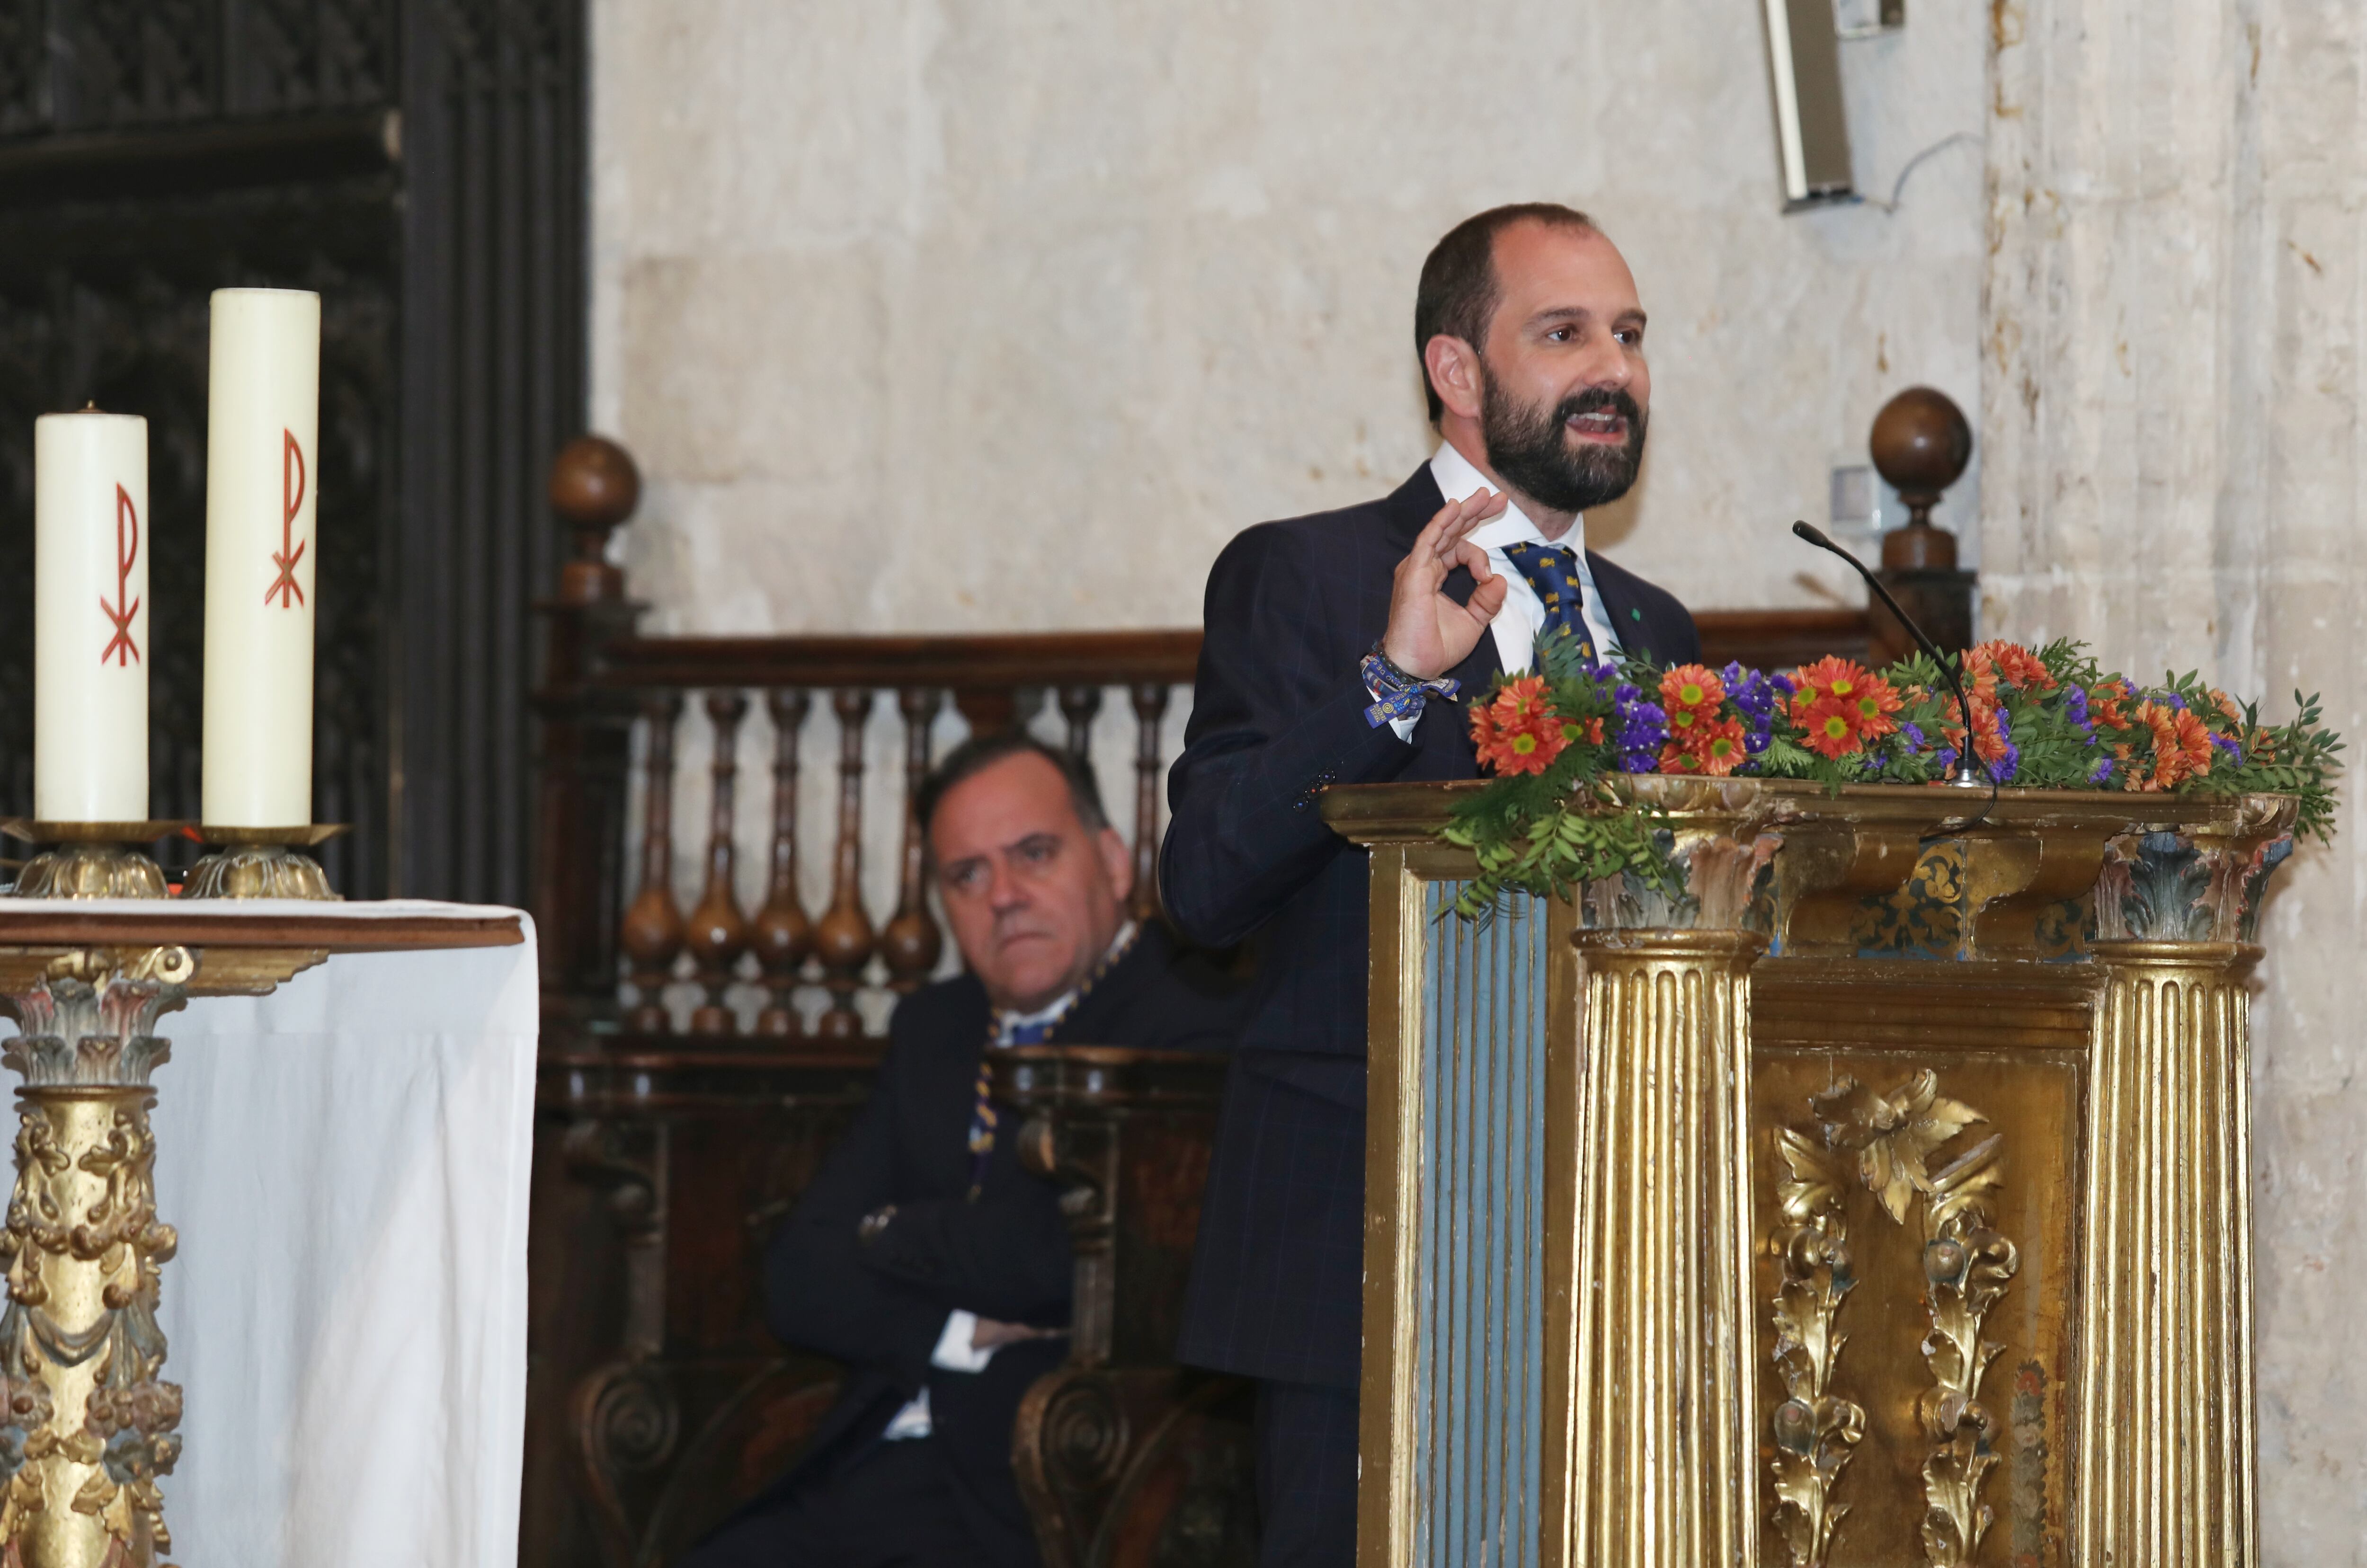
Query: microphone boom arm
{"x": 1967, "y": 774}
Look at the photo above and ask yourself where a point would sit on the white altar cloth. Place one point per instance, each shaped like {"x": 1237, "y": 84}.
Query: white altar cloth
{"x": 346, "y": 1162}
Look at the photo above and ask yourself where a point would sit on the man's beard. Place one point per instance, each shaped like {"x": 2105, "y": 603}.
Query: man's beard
{"x": 1531, "y": 449}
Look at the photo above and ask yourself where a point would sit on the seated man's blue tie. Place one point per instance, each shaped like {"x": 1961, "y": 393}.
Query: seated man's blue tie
{"x": 1553, "y": 572}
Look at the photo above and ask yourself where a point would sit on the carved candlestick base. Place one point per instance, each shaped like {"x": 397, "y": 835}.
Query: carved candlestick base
{"x": 261, "y": 862}
{"x": 88, "y": 1426}
{"x": 89, "y": 860}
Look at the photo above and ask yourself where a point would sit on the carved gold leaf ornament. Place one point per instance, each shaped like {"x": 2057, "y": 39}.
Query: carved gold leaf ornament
{"x": 1894, "y": 1134}
{"x": 1966, "y": 1269}
{"x": 1814, "y": 1432}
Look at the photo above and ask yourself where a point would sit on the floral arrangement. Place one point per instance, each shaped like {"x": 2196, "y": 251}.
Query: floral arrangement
{"x": 2043, "y": 718}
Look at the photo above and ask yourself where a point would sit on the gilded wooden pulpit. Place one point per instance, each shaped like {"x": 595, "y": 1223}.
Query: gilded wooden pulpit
{"x": 1884, "y": 1200}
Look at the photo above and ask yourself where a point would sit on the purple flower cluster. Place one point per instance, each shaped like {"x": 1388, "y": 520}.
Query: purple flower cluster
{"x": 2075, "y": 703}
{"x": 2235, "y": 751}
{"x": 2005, "y": 767}
{"x": 2103, "y": 772}
{"x": 1643, "y": 729}
{"x": 1757, "y": 697}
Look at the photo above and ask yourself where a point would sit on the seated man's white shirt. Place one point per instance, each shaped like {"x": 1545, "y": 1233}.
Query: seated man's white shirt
{"x": 955, "y": 1353}
{"x": 1518, "y": 624}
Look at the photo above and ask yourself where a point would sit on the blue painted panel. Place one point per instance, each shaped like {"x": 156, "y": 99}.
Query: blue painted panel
{"x": 1478, "y": 1404}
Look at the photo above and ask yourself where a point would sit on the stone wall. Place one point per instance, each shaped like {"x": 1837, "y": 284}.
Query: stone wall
{"x": 2172, "y": 401}
{"x": 1057, "y": 295}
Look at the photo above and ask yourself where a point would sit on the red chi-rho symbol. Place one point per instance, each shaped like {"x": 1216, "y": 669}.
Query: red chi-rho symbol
{"x": 121, "y": 648}
{"x": 292, "y": 493}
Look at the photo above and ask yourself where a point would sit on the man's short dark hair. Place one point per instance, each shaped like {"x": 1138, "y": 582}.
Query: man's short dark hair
{"x": 980, "y": 752}
{"x": 1459, "y": 293}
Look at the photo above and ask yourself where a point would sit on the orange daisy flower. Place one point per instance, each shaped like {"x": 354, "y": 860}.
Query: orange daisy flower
{"x": 1829, "y": 726}
{"x": 1980, "y": 675}
{"x": 2194, "y": 740}
{"x": 1691, "y": 687}
{"x": 2104, "y": 705}
{"x": 1828, "y": 676}
{"x": 1989, "y": 744}
{"x": 1517, "y": 733}
{"x": 2015, "y": 663}
{"x": 1716, "y": 749}
{"x": 1873, "y": 701}
{"x": 2182, "y": 746}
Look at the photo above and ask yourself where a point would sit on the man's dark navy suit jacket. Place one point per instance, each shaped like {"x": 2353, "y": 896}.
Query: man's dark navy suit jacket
{"x": 1278, "y": 714}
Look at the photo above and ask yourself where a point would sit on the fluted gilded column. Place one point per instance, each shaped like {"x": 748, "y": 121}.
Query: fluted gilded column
{"x": 1650, "y": 1333}
{"x": 1649, "y": 1305}
{"x": 2168, "y": 1414}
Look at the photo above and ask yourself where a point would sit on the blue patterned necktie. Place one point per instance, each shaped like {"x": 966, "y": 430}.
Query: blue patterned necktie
{"x": 1552, "y": 571}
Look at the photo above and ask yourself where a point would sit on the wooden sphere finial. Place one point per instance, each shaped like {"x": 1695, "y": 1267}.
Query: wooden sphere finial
{"x": 1920, "y": 444}
{"x": 593, "y": 487}
{"x": 593, "y": 484}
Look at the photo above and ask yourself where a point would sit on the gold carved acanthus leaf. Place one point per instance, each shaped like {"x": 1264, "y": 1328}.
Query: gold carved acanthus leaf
{"x": 1893, "y": 1133}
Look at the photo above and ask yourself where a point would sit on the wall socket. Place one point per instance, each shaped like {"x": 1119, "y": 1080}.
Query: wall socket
{"x": 1856, "y": 502}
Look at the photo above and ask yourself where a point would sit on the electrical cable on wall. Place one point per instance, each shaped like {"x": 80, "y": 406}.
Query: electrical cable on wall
{"x": 1899, "y": 186}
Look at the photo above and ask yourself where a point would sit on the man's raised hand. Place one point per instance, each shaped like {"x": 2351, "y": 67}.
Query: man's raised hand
{"x": 1428, "y": 632}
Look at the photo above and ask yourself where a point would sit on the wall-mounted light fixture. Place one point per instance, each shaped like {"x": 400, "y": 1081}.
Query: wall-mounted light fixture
{"x": 1811, "y": 126}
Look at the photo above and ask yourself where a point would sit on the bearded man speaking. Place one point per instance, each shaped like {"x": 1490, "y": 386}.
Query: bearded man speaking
{"x": 1337, "y": 649}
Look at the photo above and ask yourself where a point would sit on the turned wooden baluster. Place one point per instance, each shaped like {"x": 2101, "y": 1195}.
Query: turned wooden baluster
{"x": 987, "y": 708}
{"x": 719, "y": 931}
{"x": 1079, "y": 705}
{"x": 651, "y": 935}
{"x": 843, "y": 937}
{"x": 783, "y": 937}
{"x": 1150, "y": 709}
{"x": 911, "y": 941}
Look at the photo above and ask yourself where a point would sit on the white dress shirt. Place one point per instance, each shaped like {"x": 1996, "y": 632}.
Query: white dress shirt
{"x": 1516, "y": 625}
{"x": 1523, "y": 615}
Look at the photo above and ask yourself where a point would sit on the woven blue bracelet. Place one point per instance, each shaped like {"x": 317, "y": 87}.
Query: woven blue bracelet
{"x": 1398, "y": 695}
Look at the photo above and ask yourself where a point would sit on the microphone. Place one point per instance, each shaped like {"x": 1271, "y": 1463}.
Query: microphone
{"x": 1968, "y": 772}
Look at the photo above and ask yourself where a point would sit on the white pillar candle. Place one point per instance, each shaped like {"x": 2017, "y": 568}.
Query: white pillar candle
{"x": 90, "y": 618}
{"x": 263, "y": 416}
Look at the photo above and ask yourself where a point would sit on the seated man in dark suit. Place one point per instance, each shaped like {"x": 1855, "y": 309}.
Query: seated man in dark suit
{"x": 923, "y": 1256}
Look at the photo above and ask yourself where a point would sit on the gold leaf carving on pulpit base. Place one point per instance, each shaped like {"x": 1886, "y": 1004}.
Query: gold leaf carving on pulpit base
{"x": 1891, "y": 1139}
